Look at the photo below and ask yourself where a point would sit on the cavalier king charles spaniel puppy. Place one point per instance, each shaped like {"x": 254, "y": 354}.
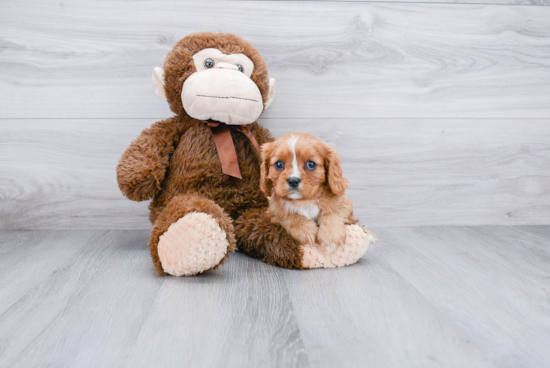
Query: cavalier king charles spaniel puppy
{"x": 302, "y": 178}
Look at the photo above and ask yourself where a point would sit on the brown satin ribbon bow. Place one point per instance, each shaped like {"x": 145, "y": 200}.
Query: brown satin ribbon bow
{"x": 226, "y": 147}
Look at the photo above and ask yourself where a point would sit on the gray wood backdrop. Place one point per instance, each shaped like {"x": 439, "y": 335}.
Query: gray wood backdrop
{"x": 440, "y": 110}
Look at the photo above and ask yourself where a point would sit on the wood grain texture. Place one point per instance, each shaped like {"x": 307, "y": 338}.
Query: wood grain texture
{"x": 104, "y": 306}
{"x": 60, "y": 174}
{"x": 421, "y": 297}
{"x": 449, "y": 297}
{"x": 94, "y": 59}
{"x": 418, "y": 172}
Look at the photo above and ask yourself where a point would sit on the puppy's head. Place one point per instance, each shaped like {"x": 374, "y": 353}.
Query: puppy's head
{"x": 299, "y": 166}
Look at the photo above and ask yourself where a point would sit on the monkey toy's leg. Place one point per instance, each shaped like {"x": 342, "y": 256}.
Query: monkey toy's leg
{"x": 269, "y": 242}
{"x": 191, "y": 235}
{"x": 260, "y": 238}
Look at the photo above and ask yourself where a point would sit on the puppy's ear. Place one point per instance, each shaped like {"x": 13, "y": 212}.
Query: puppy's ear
{"x": 266, "y": 185}
{"x": 336, "y": 182}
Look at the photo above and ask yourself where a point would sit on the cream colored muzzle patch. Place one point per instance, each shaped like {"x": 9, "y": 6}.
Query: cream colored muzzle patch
{"x": 223, "y": 95}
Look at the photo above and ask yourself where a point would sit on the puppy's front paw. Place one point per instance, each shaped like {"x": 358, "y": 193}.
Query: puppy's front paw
{"x": 331, "y": 238}
{"x": 307, "y": 234}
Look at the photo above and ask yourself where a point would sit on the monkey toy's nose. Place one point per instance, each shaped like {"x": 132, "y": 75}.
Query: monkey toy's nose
{"x": 293, "y": 182}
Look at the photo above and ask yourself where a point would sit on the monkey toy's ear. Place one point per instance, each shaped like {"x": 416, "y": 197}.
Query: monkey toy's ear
{"x": 158, "y": 82}
{"x": 271, "y": 93}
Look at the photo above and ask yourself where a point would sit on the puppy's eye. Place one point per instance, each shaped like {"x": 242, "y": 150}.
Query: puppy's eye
{"x": 209, "y": 63}
{"x": 310, "y": 165}
{"x": 279, "y": 165}
{"x": 240, "y": 67}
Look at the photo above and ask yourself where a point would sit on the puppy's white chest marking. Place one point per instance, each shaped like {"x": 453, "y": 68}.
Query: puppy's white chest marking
{"x": 308, "y": 209}
{"x": 292, "y": 144}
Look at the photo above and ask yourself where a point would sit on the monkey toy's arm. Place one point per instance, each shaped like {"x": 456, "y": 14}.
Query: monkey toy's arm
{"x": 142, "y": 166}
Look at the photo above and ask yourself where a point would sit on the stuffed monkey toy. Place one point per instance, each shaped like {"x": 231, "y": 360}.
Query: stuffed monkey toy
{"x": 201, "y": 167}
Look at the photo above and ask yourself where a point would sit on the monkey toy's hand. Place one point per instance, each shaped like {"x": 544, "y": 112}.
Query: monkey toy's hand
{"x": 141, "y": 168}
{"x": 138, "y": 179}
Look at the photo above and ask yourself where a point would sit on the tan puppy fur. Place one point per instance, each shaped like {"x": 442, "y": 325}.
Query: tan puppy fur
{"x": 303, "y": 180}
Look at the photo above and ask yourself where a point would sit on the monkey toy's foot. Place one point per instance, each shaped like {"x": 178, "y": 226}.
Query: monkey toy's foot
{"x": 191, "y": 235}
{"x": 191, "y": 245}
{"x": 357, "y": 242}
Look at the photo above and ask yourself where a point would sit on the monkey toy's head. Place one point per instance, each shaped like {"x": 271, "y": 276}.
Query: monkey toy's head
{"x": 215, "y": 76}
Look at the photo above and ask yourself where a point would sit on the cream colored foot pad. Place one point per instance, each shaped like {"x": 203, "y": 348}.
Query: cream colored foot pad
{"x": 193, "y": 244}
{"x": 357, "y": 242}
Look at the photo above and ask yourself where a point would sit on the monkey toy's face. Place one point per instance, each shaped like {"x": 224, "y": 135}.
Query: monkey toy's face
{"x": 216, "y": 83}
{"x": 221, "y": 89}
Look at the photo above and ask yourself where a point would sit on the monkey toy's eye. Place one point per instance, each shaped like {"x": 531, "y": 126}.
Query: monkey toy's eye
{"x": 240, "y": 67}
{"x": 209, "y": 63}
{"x": 279, "y": 165}
{"x": 311, "y": 165}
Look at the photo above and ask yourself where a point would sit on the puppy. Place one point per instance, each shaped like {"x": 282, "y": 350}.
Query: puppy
{"x": 302, "y": 178}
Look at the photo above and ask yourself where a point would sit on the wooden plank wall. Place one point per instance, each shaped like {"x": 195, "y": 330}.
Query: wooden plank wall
{"x": 440, "y": 111}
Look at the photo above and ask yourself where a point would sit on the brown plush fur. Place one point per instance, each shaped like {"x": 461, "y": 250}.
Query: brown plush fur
{"x": 176, "y": 163}
{"x": 142, "y": 166}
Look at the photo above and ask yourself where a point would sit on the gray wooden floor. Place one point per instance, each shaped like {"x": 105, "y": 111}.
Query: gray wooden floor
{"x": 427, "y": 296}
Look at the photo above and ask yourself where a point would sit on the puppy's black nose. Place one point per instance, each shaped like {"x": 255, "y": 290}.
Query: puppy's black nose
{"x": 293, "y": 182}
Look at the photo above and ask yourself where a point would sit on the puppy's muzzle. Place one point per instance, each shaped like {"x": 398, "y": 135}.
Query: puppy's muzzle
{"x": 293, "y": 182}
